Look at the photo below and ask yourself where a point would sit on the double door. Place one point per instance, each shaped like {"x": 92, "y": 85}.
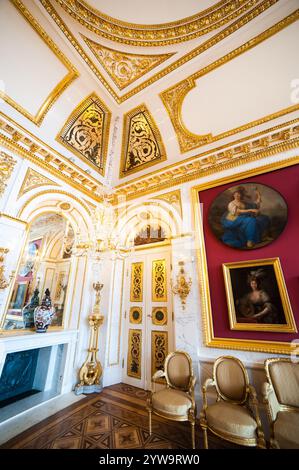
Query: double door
{"x": 148, "y": 315}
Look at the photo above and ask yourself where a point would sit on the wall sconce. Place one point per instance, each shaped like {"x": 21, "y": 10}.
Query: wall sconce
{"x": 182, "y": 287}
{"x": 3, "y": 282}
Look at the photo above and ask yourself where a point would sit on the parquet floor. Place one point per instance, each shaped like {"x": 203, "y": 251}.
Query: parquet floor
{"x": 114, "y": 419}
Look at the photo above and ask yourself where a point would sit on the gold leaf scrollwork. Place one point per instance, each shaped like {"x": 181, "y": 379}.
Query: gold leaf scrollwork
{"x": 134, "y": 354}
{"x": 136, "y": 293}
{"x": 159, "y": 281}
{"x": 159, "y": 349}
{"x": 7, "y": 164}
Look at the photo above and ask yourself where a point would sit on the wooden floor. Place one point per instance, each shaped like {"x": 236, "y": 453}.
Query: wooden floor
{"x": 114, "y": 419}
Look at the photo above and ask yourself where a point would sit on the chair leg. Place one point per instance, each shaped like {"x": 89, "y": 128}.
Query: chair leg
{"x": 150, "y": 422}
{"x": 205, "y": 437}
{"x": 193, "y": 435}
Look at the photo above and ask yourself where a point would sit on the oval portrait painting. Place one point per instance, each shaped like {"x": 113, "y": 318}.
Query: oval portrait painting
{"x": 248, "y": 216}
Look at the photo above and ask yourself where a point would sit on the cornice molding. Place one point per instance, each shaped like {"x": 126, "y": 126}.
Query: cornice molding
{"x": 249, "y": 16}
{"x": 59, "y": 88}
{"x": 160, "y": 34}
{"x": 174, "y": 96}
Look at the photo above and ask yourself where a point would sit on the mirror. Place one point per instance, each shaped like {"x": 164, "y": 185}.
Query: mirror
{"x": 45, "y": 264}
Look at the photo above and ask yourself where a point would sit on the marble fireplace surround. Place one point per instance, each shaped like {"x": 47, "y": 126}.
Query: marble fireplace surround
{"x": 62, "y": 345}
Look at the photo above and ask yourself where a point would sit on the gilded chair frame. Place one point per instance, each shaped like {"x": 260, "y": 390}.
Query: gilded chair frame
{"x": 268, "y": 391}
{"x": 156, "y": 378}
{"x": 250, "y": 396}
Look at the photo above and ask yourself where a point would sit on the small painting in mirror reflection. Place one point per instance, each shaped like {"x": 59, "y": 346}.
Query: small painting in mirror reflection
{"x": 248, "y": 216}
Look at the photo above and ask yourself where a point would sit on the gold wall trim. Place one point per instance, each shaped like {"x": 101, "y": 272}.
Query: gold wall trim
{"x": 142, "y": 144}
{"x": 174, "y": 96}
{"x": 205, "y": 300}
{"x": 59, "y": 88}
{"x": 162, "y": 73}
{"x": 33, "y": 180}
{"x": 33, "y": 149}
{"x": 82, "y": 119}
{"x": 122, "y": 67}
{"x": 7, "y": 164}
{"x": 134, "y": 353}
{"x": 156, "y": 35}
{"x": 15, "y": 219}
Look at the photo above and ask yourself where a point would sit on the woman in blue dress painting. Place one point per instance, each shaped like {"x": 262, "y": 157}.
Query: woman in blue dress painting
{"x": 244, "y": 225}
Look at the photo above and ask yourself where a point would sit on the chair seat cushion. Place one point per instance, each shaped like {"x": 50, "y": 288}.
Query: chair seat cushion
{"x": 286, "y": 429}
{"x": 234, "y": 420}
{"x": 171, "y": 402}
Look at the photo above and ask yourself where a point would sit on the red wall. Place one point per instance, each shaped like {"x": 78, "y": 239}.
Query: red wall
{"x": 286, "y": 247}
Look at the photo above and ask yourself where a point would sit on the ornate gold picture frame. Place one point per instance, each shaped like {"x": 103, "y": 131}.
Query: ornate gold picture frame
{"x": 257, "y": 297}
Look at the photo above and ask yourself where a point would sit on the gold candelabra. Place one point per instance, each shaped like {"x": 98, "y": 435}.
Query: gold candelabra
{"x": 182, "y": 287}
{"x": 91, "y": 371}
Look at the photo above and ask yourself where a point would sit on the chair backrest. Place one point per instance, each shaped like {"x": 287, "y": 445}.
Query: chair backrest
{"x": 231, "y": 379}
{"x": 283, "y": 375}
{"x": 178, "y": 370}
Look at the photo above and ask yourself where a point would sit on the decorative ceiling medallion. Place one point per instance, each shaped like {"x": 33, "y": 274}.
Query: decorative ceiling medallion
{"x": 123, "y": 67}
{"x": 7, "y": 164}
{"x": 60, "y": 87}
{"x": 158, "y": 34}
{"x": 33, "y": 180}
{"x": 142, "y": 144}
{"x": 86, "y": 132}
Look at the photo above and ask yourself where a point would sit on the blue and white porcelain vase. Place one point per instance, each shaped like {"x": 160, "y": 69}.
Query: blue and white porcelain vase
{"x": 43, "y": 314}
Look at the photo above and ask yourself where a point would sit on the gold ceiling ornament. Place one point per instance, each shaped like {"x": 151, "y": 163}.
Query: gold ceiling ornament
{"x": 33, "y": 149}
{"x": 226, "y": 157}
{"x": 59, "y": 88}
{"x": 86, "y": 132}
{"x": 157, "y": 34}
{"x": 173, "y": 198}
{"x": 33, "y": 180}
{"x": 123, "y": 67}
{"x": 174, "y": 96}
{"x": 142, "y": 144}
{"x": 7, "y": 164}
{"x": 183, "y": 286}
{"x": 230, "y": 29}
{"x": 91, "y": 371}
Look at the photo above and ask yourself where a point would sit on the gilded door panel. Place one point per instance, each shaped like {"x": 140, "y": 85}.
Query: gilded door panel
{"x": 159, "y": 349}
{"x": 159, "y": 281}
{"x": 134, "y": 353}
{"x": 159, "y": 315}
{"x": 136, "y": 288}
{"x": 136, "y": 315}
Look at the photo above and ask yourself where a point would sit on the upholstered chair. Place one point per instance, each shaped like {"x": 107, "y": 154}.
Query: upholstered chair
{"x": 176, "y": 400}
{"x": 281, "y": 395}
{"x": 234, "y": 416}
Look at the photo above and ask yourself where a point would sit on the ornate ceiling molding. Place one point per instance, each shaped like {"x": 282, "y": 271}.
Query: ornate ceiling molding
{"x": 60, "y": 87}
{"x": 173, "y": 198}
{"x": 263, "y": 144}
{"x": 160, "y": 34}
{"x": 125, "y": 68}
{"x": 142, "y": 144}
{"x": 7, "y": 164}
{"x": 86, "y": 132}
{"x": 33, "y": 180}
{"x": 174, "y": 96}
{"x": 17, "y": 139}
{"x": 249, "y": 16}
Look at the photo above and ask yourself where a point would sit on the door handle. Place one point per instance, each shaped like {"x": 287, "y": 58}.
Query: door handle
{"x": 150, "y": 316}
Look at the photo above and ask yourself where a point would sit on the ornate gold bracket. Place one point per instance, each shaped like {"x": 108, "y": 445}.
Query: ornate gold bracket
{"x": 3, "y": 282}
{"x": 91, "y": 371}
{"x": 182, "y": 287}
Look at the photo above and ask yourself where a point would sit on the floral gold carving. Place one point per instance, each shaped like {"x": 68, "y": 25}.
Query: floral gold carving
{"x": 159, "y": 281}
{"x": 182, "y": 286}
{"x": 159, "y": 349}
{"x": 7, "y": 164}
{"x": 136, "y": 294}
{"x": 173, "y": 198}
{"x": 33, "y": 180}
{"x": 87, "y": 130}
{"x": 134, "y": 354}
{"x": 123, "y": 67}
{"x": 142, "y": 143}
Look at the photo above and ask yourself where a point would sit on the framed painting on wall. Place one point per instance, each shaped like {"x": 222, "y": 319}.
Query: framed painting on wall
{"x": 228, "y": 316}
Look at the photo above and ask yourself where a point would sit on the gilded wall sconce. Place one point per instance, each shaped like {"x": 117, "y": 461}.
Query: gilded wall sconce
{"x": 182, "y": 287}
{"x": 3, "y": 282}
{"x": 91, "y": 371}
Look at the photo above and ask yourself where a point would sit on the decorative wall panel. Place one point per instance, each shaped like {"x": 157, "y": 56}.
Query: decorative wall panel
{"x": 86, "y": 132}
{"x": 159, "y": 315}
{"x": 134, "y": 354}
{"x": 135, "y": 315}
{"x": 33, "y": 180}
{"x": 142, "y": 144}
{"x": 7, "y": 164}
{"x": 159, "y": 281}
{"x": 159, "y": 349}
{"x": 136, "y": 289}
{"x": 124, "y": 68}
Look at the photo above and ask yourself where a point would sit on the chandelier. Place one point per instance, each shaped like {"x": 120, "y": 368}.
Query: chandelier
{"x": 106, "y": 237}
